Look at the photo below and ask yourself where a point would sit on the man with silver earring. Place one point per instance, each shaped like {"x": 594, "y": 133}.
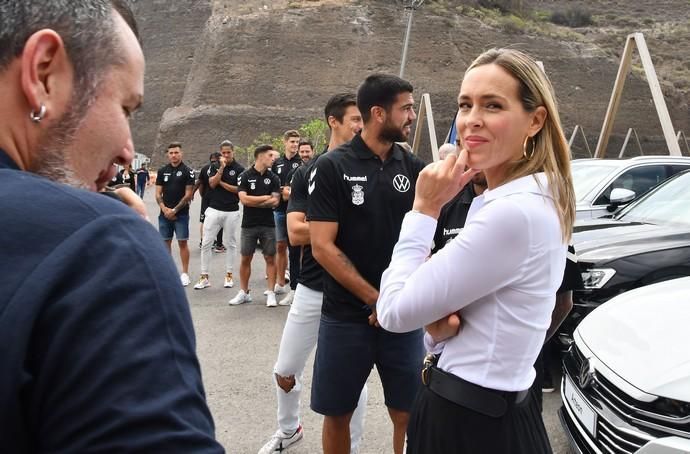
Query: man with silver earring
{"x": 97, "y": 343}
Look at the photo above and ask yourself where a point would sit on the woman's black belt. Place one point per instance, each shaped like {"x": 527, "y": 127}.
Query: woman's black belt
{"x": 489, "y": 402}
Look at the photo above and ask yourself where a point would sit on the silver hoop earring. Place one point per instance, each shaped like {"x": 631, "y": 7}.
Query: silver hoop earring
{"x": 37, "y": 117}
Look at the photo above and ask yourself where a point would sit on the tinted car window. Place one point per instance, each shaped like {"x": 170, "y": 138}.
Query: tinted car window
{"x": 638, "y": 179}
{"x": 675, "y": 168}
{"x": 668, "y": 204}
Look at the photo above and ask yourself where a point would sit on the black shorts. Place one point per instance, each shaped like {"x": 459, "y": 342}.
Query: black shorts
{"x": 345, "y": 355}
{"x": 265, "y": 235}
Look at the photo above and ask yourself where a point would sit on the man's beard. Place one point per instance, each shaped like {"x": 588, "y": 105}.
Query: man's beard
{"x": 52, "y": 160}
{"x": 392, "y": 133}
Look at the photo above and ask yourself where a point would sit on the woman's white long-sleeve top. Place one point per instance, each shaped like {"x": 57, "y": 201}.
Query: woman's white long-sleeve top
{"x": 501, "y": 273}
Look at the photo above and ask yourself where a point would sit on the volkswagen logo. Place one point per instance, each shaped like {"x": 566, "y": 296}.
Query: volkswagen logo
{"x": 401, "y": 183}
{"x": 587, "y": 374}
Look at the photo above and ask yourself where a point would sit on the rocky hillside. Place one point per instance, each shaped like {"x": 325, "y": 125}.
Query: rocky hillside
{"x": 234, "y": 69}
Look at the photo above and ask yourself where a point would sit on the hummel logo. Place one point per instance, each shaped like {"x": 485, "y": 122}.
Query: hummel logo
{"x": 312, "y": 183}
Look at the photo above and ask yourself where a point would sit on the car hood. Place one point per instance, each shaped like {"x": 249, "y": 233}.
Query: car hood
{"x": 602, "y": 240}
{"x": 641, "y": 335}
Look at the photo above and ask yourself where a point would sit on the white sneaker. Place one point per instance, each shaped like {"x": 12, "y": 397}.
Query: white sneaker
{"x": 278, "y": 289}
{"x": 287, "y": 275}
{"x": 228, "y": 281}
{"x": 202, "y": 284}
{"x": 184, "y": 278}
{"x": 288, "y": 299}
{"x": 279, "y": 442}
{"x": 241, "y": 298}
{"x": 271, "y": 300}
{"x": 281, "y": 289}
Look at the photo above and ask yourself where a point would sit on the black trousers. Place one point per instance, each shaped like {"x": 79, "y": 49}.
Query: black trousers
{"x": 440, "y": 426}
{"x": 295, "y": 261}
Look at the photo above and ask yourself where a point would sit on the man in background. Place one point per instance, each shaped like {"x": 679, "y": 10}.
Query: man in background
{"x": 302, "y": 324}
{"x": 202, "y": 185}
{"x": 282, "y": 167}
{"x": 223, "y": 213}
{"x": 143, "y": 178}
{"x": 174, "y": 191}
{"x": 306, "y": 152}
{"x": 259, "y": 192}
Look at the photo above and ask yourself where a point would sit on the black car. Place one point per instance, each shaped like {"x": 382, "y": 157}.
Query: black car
{"x": 647, "y": 242}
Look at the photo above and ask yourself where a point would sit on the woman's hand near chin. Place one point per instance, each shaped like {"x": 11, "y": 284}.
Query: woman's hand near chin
{"x": 440, "y": 181}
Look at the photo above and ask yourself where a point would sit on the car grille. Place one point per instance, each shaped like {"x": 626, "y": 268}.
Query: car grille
{"x": 630, "y": 423}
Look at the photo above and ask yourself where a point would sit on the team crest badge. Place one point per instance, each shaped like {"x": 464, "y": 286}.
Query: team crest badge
{"x": 357, "y": 195}
{"x": 232, "y": 173}
{"x": 253, "y": 186}
{"x": 267, "y": 181}
{"x": 179, "y": 173}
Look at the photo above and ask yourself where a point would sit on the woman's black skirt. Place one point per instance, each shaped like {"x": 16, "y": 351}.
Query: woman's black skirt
{"x": 438, "y": 426}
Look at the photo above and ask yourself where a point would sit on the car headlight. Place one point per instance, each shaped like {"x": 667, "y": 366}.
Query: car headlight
{"x": 597, "y": 277}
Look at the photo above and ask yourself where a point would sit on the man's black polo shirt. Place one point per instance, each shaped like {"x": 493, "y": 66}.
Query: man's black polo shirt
{"x": 311, "y": 273}
{"x": 282, "y": 167}
{"x": 572, "y": 277}
{"x": 368, "y": 199}
{"x": 220, "y": 198}
{"x": 453, "y": 216}
{"x": 204, "y": 174}
{"x": 175, "y": 181}
{"x": 256, "y": 184}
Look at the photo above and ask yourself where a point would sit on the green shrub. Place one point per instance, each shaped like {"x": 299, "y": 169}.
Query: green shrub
{"x": 512, "y": 24}
{"x": 572, "y": 17}
{"x": 505, "y": 6}
{"x": 315, "y": 130}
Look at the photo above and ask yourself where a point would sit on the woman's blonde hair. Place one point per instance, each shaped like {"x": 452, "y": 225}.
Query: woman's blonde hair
{"x": 551, "y": 153}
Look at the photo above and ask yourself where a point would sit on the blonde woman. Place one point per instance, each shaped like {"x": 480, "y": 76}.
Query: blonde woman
{"x": 499, "y": 276}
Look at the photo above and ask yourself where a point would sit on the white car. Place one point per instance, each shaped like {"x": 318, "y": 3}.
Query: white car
{"x": 603, "y": 186}
{"x": 626, "y": 377}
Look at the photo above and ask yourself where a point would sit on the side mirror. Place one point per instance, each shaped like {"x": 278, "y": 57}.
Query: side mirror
{"x": 620, "y": 196}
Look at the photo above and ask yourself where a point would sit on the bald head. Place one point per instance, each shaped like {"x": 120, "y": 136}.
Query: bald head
{"x": 445, "y": 150}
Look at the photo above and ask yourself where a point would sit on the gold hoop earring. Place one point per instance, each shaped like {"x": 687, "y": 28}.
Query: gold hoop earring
{"x": 524, "y": 148}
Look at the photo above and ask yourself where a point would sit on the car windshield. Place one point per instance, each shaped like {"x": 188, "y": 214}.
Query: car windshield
{"x": 586, "y": 175}
{"x": 668, "y": 204}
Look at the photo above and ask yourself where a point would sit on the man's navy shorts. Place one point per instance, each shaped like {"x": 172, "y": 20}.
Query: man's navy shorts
{"x": 345, "y": 354}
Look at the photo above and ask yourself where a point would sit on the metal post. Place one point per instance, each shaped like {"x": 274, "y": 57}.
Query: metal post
{"x": 403, "y": 60}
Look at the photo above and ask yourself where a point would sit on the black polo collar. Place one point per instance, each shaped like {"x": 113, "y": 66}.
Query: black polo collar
{"x": 362, "y": 151}
{"x": 293, "y": 159}
{"x": 256, "y": 171}
{"x": 6, "y": 162}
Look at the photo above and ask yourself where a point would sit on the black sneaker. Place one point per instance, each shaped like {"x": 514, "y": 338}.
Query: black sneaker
{"x": 547, "y": 385}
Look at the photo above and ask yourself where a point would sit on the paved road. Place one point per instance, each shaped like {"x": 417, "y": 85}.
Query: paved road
{"x": 237, "y": 347}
